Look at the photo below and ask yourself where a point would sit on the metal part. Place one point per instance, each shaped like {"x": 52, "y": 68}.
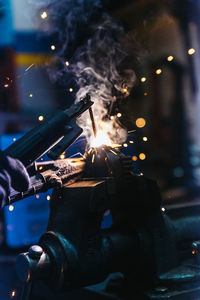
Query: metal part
{"x": 35, "y": 252}
{"x": 106, "y": 161}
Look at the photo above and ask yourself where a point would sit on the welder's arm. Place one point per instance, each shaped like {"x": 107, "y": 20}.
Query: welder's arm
{"x": 13, "y": 175}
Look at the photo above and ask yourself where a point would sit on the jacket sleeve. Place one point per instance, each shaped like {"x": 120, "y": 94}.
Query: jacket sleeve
{"x": 13, "y": 175}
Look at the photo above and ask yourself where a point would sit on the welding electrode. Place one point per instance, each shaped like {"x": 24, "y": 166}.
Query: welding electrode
{"x": 93, "y": 122}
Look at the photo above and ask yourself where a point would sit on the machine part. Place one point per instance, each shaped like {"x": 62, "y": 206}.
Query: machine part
{"x": 38, "y": 260}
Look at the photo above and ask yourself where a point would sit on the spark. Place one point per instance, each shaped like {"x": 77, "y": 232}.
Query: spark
{"x": 29, "y": 67}
{"x": 119, "y": 115}
{"x": 11, "y": 208}
{"x": 163, "y": 209}
{"x": 125, "y": 145}
{"x": 191, "y": 51}
{"x": 125, "y": 90}
{"x": 28, "y": 277}
{"x": 41, "y": 118}
{"x": 140, "y": 122}
{"x": 6, "y": 85}
{"x": 112, "y": 152}
{"x": 53, "y": 47}
{"x": 14, "y": 139}
{"x": 170, "y": 58}
{"x": 93, "y": 157}
{"x": 143, "y": 79}
{"x": 158, "y": 71}
{"x": 44, "y": 15}
{"x": 145, "y": 94}
{"x": 37, "y": 196}
{"x": 131, "y": 142}
{"x": 67, "y": 63}
{"x": 142, "y": 156}
{"x": 134, "y": 158}
{"x": 40, "y": 168}
{"x": 48, "y": 197}
{"x": 130, "y": 131}
{"x": 13, "y": 293}
{"x": 112, "y": 117}
{"x": 71, "y": 90}
{"x": 62, "y": 156}
{"x": 31, "y": 95}
{"x": 145, "y": 139}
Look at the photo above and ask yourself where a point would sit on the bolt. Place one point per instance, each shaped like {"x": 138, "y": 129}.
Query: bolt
{"x": 35, "y": 252}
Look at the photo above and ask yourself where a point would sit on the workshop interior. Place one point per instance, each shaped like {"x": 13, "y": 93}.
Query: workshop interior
{"x": 100, "y": 101}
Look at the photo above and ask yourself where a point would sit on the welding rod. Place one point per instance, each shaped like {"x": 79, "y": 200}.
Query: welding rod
{"x": 93, "y": 121}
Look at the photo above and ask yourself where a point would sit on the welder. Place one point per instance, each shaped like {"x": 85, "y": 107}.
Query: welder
{"x": 13, "y": 175}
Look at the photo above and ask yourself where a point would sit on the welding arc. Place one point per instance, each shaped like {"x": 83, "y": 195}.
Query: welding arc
{"x": 93, "y": 122}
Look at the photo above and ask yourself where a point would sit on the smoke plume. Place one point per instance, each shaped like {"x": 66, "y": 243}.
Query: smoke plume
{"x": 98, "y": 59}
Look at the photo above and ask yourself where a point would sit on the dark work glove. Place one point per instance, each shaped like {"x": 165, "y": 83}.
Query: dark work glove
{"x": 13, "y": 175}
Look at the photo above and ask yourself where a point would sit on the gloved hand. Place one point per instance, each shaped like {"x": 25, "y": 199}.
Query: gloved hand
{"x": 12, "y": 175}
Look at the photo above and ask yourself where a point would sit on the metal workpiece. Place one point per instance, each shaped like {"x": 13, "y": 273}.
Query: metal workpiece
{"x": 51, "y": 174}
{"x": 106, "y": 161}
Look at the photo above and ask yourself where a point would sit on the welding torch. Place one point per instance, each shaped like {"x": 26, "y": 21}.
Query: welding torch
{"x": 53, "y": 136}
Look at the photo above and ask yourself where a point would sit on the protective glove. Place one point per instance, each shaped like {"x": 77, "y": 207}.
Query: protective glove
{"x": 13, "y": 175}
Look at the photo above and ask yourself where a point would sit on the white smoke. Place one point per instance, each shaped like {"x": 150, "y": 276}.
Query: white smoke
{"x": 95, "y": 46}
